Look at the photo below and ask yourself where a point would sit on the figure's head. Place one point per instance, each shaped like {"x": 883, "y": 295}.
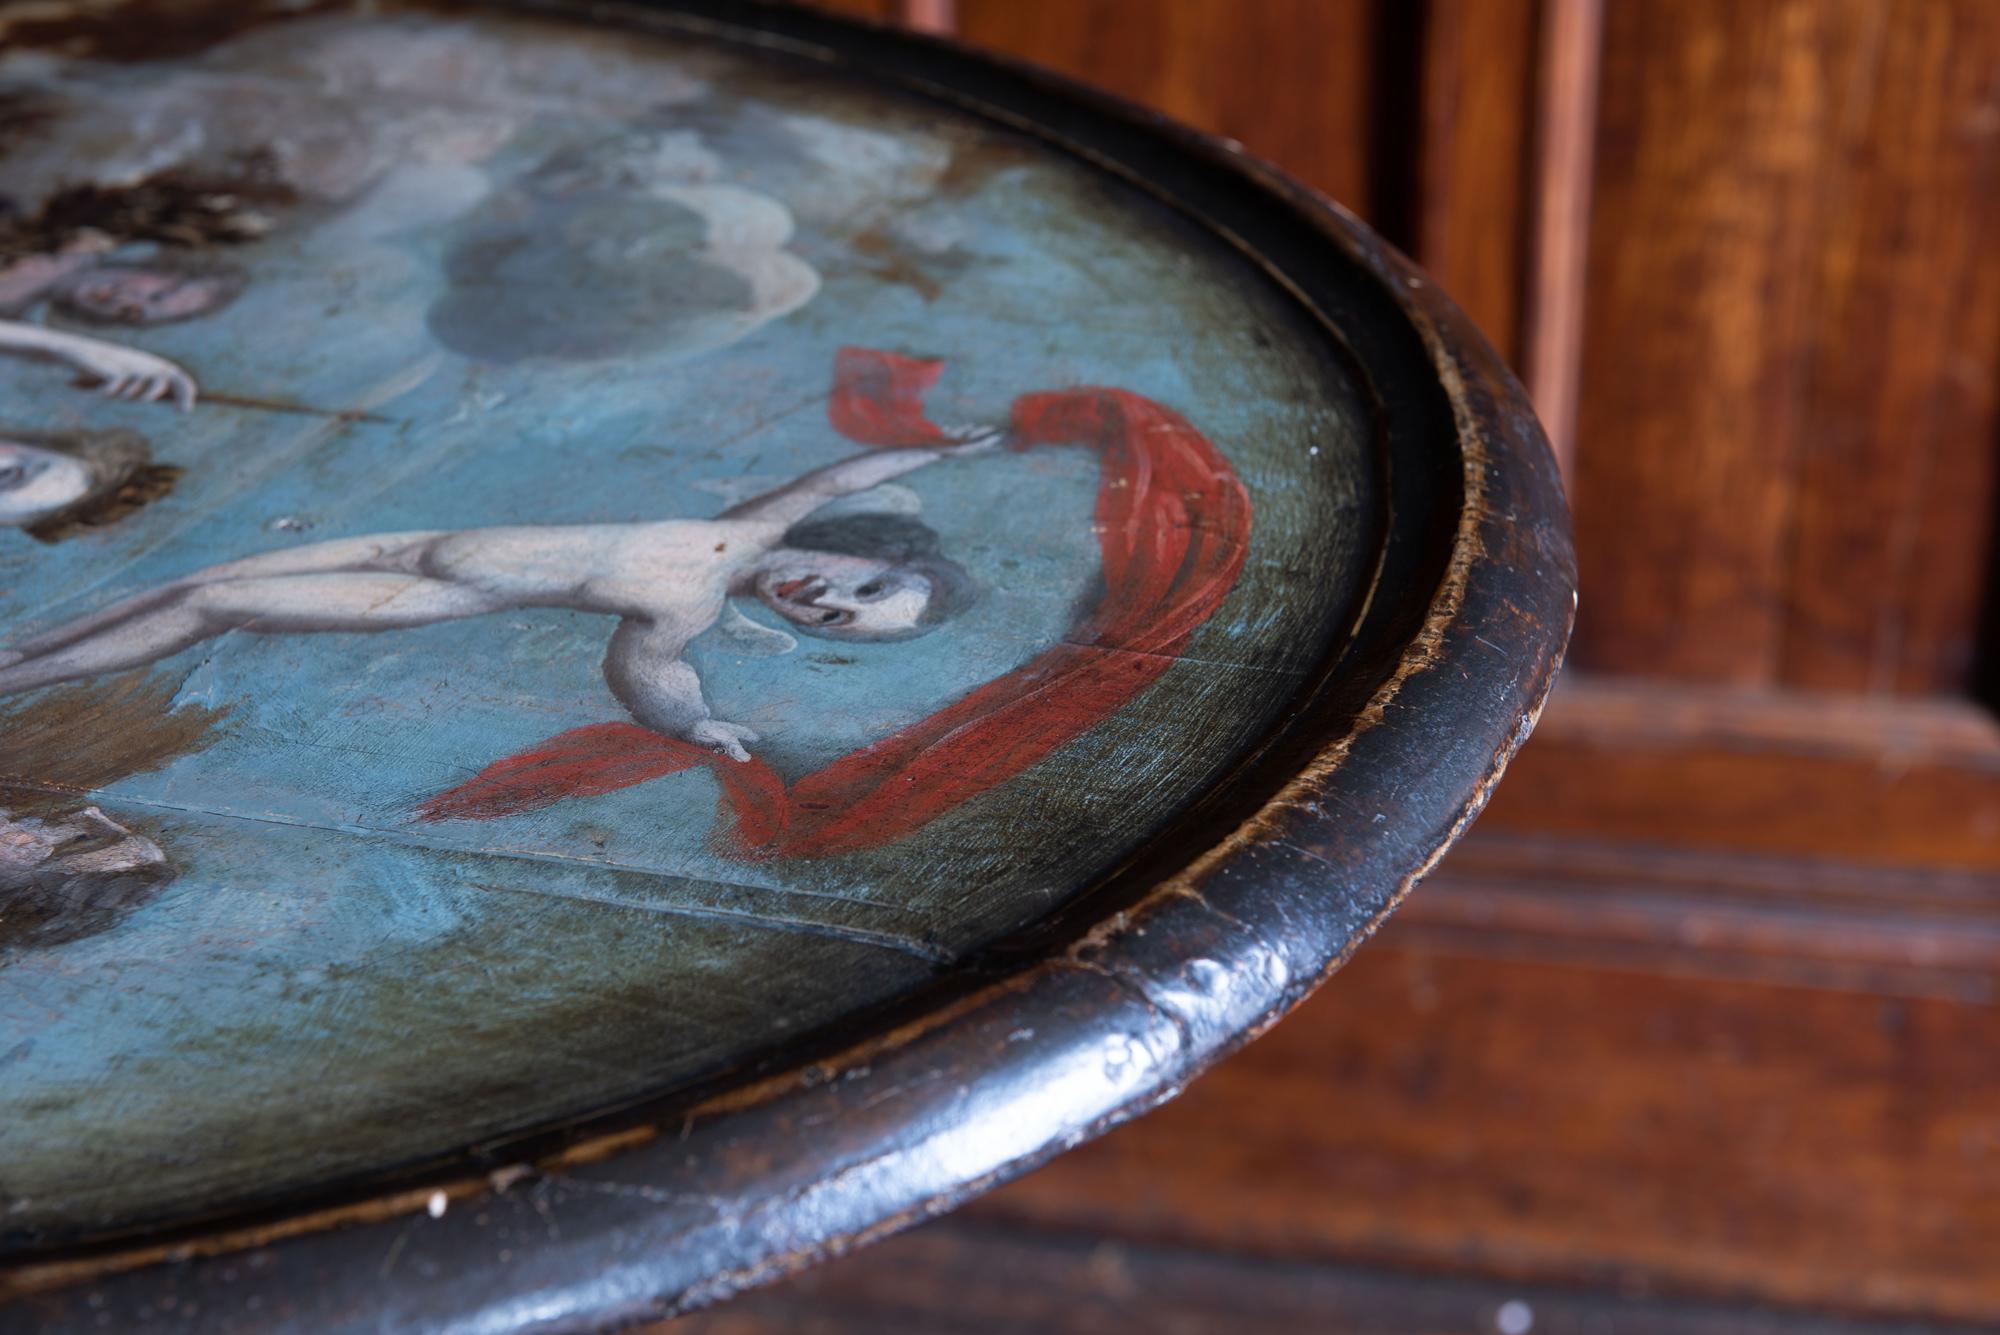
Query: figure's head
{"x": 54, "y": 483}
{"x": 161, "y": 290}
{"x": 36, "y": 480}
{"x": 864, "y": 577}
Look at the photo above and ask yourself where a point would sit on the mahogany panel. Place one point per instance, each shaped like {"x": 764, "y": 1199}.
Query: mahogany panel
{"x": 1565, "y": 103}
{"x": 1791, "y": 332}
{"x": 1443, "y": 1106}
{"x": 979, "y": 1278}
{"x": 1294, "y": 80}
{"x": 1898, "y": 409}
{"x": 888, "y": 10}
{"x": 1707, "y": 206}
{"x": 1472, "y": 211}
{"x": 1890, "y": 781}
{"x": 1897, "y": 931}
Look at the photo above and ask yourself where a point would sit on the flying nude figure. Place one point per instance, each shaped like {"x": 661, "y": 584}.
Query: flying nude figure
{"x": 855, "y": 577}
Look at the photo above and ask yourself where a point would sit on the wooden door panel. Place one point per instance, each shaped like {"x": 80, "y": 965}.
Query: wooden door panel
{"x": 1912, "y": 783}
{"x": 1474, "y": 152}
{"x": 1296, "y": 79}
{"x": 1898, "y": 411}
{"x": 1784, "y": 461}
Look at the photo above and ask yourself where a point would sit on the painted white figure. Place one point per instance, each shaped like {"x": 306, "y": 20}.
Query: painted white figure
{"x": 54, "y": 483}
{"x": 81, "y": 283}
{"x": 36, "y": 480}
{"x": 855, "y": 577}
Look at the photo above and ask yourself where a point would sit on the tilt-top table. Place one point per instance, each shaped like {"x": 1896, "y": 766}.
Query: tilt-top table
{"x": 641, "y": 642}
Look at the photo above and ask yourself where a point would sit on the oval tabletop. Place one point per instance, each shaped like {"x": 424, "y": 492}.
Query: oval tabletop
{"x": 639, "y": 645}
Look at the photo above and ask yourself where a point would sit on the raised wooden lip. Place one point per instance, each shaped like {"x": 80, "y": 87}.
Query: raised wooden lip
{"x": 1183, "y": 956}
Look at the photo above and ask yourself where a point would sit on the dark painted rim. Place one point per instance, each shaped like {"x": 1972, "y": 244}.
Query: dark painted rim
{"x": 1101, "y": 1013}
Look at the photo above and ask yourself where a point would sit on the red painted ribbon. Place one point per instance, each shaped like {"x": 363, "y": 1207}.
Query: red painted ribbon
{"x": 1174, "y": 523}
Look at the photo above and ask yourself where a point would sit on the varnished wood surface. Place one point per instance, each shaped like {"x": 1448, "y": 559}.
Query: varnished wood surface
{"x": 1784, "y": 452}
{"x": 1473, "y": 182}
{"x": 1736, "y": 770}
{"x": 1296, "y": 80}
{"x": 1563, "y": 109}
{"x": 1538, "y": 1081}
{"x": 1311, "y": 85}
{"x": 966, "y": 1277}
{"x": 1600, "y": 1084}
{"x": 880, "y": 10}
{"x": 1582, "y": 1121}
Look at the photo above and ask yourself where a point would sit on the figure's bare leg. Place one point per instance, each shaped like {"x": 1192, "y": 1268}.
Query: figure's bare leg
{"x": 398, "y": 552}
{"x": 395, "y": 550}
{"x": 72, "y": 631}
{"x": 277, "y": 605}
{"x": 132, "y": 642}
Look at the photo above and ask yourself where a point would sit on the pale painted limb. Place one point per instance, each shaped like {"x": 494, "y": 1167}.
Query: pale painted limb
{"x": 145, "y": 637}
{"x": 645, "y": 671}
{"x": 122, "y": 373}
{"x": 331, "y": 557}
{"x": 796, "y": 499}
{"x": 72, "y": 631}
{"x": 189, "y": 614}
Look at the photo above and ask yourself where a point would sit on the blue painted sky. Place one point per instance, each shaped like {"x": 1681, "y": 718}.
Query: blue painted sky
{"x": 289, "y": 971}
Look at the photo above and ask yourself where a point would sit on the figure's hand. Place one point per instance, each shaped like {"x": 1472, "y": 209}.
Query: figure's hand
{"x": 722, "y": 738}
{"x": 127, "y": 373}
{"x": 971, "y": 439}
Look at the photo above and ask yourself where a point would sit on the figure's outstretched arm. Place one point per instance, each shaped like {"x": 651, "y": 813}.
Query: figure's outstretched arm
{"x": 644, "y": 669}
{"x": 123, "y": 373}
{"x": 796, "y": 499}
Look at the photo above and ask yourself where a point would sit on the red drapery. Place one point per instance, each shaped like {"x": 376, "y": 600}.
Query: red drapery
{"x": 1174, "y": 522}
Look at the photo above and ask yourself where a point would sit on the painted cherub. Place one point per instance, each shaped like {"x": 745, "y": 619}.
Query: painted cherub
{"x": 56, "y": 483}
{"x": 81, "y": 283}
{"x": 854, "y": 577}
{"x": 67, "y": 257}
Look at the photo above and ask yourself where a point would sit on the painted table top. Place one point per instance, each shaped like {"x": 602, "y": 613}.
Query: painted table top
{"x": 552, "y": 568}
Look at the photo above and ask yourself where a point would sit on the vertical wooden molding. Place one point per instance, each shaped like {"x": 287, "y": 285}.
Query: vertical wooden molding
{"x": 1475, "y": 157}
{"x": 933, "y": 16}
{"x": 1566, "y": 131}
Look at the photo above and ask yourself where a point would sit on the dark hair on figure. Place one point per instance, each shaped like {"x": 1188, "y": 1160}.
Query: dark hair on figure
{"x": 901, "y": 541}
{"x": 180, "y": 206}
{"x": 123, "y": 478}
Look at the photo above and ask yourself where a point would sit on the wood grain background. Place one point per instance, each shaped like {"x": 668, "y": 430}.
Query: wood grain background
{"x": 1698, "y": 1030}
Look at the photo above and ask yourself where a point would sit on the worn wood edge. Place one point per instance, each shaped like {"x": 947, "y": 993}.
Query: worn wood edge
{"x": 1498, "y": 440}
